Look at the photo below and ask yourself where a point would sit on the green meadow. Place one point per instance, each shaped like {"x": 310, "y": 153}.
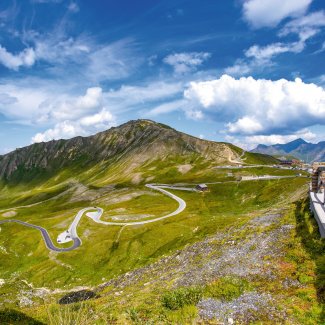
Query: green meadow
{"x": 108, "y": 251}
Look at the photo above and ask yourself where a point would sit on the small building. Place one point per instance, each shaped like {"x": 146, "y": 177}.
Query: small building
{"x": 202, "y": 187}
{"x": 286, "y": 162}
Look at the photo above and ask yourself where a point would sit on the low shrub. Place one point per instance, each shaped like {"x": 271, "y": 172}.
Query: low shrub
{"x": 181, "y": 297}
{"x": 227, "y": 288}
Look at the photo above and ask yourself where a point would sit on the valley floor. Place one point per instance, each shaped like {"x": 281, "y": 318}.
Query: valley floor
{"x": 268, "y": 270}
{"x": 244, "y": 252}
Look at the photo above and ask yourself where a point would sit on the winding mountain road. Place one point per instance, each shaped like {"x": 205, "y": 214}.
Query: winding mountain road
{"x": 95, "y": 216}
{"x": 47, "y": 239}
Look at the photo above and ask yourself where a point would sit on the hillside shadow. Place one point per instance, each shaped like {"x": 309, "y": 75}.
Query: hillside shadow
{"x": 15, "y": 317}
{"x": 308, "y": 232}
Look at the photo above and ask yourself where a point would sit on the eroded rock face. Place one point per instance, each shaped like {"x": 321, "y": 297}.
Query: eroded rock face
{"x": 77, "y": 296}
{"x": 135, "y": 143}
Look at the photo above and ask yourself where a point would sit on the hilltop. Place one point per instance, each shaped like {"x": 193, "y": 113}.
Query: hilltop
{"x": 118, "y": 154}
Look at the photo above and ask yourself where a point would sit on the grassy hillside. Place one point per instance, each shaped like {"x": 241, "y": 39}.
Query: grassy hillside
{"x": 239, "y": 245}
{"x": 125, "y": 153}
{"x": 108, "y": 251}
{"x": 110, "y": 170}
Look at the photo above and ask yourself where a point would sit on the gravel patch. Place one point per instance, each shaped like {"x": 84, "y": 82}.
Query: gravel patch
{"x": 9, "y": 214}
{"x": 217, "y": 256}
{"x": 243, "y": 310}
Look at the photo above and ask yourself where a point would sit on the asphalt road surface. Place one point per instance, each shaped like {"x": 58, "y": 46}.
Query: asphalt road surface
{"x": 47, "y": 239}
{"x": 95, "y": 216}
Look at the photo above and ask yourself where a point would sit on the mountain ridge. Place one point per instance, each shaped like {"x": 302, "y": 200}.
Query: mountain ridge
{"x": 119, "y": 150}
{"x": 298, "y": 148}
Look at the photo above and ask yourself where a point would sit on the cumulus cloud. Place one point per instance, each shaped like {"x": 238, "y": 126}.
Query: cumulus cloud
{"x": 186, "y": 62}
{"x": 46, "y": 105}
{"x": 6, "y": 99}
{"x": 268, "y": 13}
{"x": 240, "y": 68}
{"x": 84, "y": 126}
{"x": 70, "y": 107}
{"x": 251, "y": 106}
{"x": 25, "y": 58}
{"x": 63, "y": 114}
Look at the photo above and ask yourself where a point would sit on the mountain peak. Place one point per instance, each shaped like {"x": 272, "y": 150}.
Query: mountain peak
{"x": 137, "y": 141}
{"x": 298, "y": 148}
{"x": 293, "y": 145}
{"x": 298, "y": 141}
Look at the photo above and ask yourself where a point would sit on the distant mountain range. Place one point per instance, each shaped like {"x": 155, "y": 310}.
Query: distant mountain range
{"x": 308, "y": 152}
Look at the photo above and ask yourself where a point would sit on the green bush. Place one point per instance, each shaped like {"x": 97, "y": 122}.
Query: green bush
{"x": 227, "y": 288}
{"x": 178, "y": 298}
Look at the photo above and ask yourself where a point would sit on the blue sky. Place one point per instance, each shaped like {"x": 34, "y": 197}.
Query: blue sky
{"x": 242, "y": 71}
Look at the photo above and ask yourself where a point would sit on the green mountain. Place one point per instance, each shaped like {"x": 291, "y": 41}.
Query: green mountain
{"x": 298, "y": 148}
{"x": 246, "y": 249}
{"x": 118, "y": 154}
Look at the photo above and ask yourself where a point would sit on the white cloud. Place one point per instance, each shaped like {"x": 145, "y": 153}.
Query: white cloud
{"x": 46, "y": 1}
{"x": 99, "y": 120}
{"x": 186, "y": 62}
{"x": 73, "y": 7}
{"x": 44, "y": 102}
{"x": 280, "y": 139}
{"x": 166, "y": 108}
{"x": 25, "y": 58}
{"x": 240, "y": 68}
{"x": 114, "y": 61}
{"x": 305, "y": 26}
{"x": 258, "y": 106}
{"x": 268, "y": 13}
{"x": 267, "y": 52}
{"x": 59, "y": 49}
{"x": 6, "y": 99}
{"x": 70, "y": 107}
{"x": 143, "y": 97}
{"x": 251, "y": 142}
{"x": 84, "y": 126}
{"x": 33, "y": 102}
{"x": 259, "y": 57}
{"x": 53, "y": 49}
{"x": 22, "y": 103}
{"x": 80, "y": 57}
{"x": 194, "y": 114}
{"x": 246, "y": 125}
